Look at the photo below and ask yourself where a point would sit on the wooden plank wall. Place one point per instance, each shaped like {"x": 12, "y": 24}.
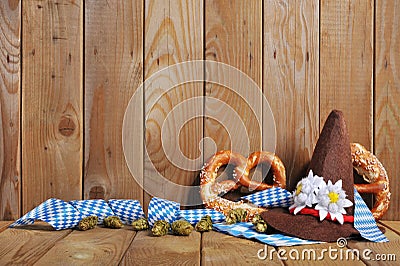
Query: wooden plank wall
{"x": 68, "y": 69}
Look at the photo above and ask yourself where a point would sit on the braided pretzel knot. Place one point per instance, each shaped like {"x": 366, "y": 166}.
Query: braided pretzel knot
{"x": 210, "y": 190}
{"x": 372, "y": 170}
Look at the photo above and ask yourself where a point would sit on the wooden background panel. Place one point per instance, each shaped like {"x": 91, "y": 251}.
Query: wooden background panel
{"x": 387, "y": 96}
{"x": 291, "y": 82}
{"x": 113, "y": 72}
{"x": 309, "y": 57}
{"x": 346, "y": 69}
{"x": 51, "y": 101}
{"x": 10, "y": 179}
{"x": 346, "y": 72}
{"x": 233, "y": 32}
{"x": 173, "y": 34}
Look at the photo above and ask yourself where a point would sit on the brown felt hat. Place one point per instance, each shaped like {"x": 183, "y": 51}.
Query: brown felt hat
{"x": 332, "y": 161}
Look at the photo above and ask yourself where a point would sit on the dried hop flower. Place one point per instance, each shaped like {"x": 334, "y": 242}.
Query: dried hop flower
{"x": 236, "y": 216}
{"x": 160, "y": 228}
{"x": 205, "y": 224}
{"x": 112, "y": 222}
{"x": 181, "y": 228}
{"x": 140, "y": 224}
{"x": 87, "y": 223}
{"x": 259, "y": 224}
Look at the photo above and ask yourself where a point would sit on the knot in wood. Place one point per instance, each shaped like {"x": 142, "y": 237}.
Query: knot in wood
{"x": 97, "y": 192}
{"x": 66, "y": 127}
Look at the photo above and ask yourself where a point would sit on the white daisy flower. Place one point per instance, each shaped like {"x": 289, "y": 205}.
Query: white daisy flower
{"x": 331, "y": 198}
{"x": 306, "y": 191}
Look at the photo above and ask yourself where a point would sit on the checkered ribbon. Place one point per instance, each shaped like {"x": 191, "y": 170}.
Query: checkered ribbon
{"x": 247, "y": 230}
{"x": 97, "y": 207}
{"x": 364, "y": 221}
{"x": 127, "y": 210}
{"x": 58, "y": 213}
{"x": 161, "y": 209}
{"x": 194, "y": 216}
{"x": 273, "y": 197}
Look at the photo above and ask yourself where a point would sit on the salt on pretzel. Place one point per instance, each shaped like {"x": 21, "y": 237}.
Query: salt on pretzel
{"x": 210, "y": 190}
{"x": 372, "y": 170}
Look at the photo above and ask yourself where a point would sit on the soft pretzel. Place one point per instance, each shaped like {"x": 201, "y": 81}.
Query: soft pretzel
{"x": 210, "y": 190}
{"x": 372, "y": 170}
{"x": 258, "y": 157}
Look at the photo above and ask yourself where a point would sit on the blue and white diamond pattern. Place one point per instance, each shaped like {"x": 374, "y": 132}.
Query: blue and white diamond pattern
{"x": 247, "y": 230}
{"x": 195, "y": 215}
{"x": 161, "y": 209}
{"x": 97, "y": 207}
{"x": 364, "y": 221}
{"x": 127, "y": 210}
{"x": 273, "y": 197}
{"x": 56, "y": 212}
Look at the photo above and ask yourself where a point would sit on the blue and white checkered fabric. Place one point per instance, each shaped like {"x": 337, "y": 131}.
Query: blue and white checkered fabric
{"x": 247, "y": 230}
{"x": 194, "y": 216}
{"x": 161, "y": 209}
{"x": 364, "y": 221}
{"x": 273, "y": 197}
{"x": 127, "y": 210}
{"x": 56, "y": 212}
{"x": 97, "y": 207}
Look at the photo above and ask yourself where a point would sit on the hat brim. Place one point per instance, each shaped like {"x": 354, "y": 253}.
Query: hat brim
{"x": 307, "y": 226}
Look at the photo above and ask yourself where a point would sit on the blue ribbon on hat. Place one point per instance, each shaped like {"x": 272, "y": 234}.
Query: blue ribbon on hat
{"x": 247, "y": 230}
{"x": 273, "y": 197}
{"x": 364, "y": 221}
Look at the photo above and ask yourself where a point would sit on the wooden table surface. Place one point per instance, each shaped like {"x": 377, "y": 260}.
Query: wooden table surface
{"x": 39, "y": 244}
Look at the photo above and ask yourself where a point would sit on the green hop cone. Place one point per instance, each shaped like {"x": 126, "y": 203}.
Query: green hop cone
{"x": 181, "y": 228}
{"x": 261, "y": 227}
{"x": 160, "y": 228}
{"x": 87, "y": 223}
{"x": 257, "y": 218}
{"x": 205, "y": 224}
{"x": 112, "y": 222}
{"x": 259, "y": 224}
{"x": 140, "y": 224}
{"x": 236, "y": 216}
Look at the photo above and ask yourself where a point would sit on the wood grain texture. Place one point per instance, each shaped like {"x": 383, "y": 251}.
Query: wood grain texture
{"x": 167, "y": 250}
{"x": 10, "y": 179}
{"x": 346, "y": 72}
{"x": 113, "y": 72}
{"x": 392, "y": 225}
{"x": 4, "y": 225}
{"x": 26, "y": 245}
{"x": 380, "y": 253}
{"x": 173, "y": 34}
{"x": 52, "y": 101}
{"x": 387, "y": 96}
{"x": 233, "y": 36}
{"x": 221, "y": 249}
{"x": 100, "y": 246}
{"x": 291, "y": 80}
